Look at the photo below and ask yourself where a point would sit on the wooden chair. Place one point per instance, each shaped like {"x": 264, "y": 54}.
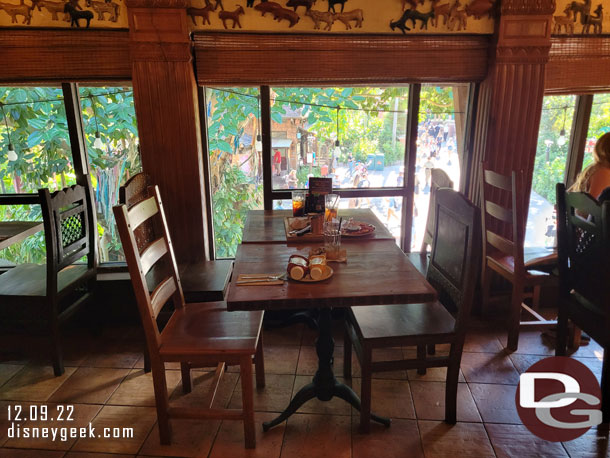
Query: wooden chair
{"x": 438, "y": 179}
{"x": 583, "y": 228}
{"x": 203, "y": 281}
{"x": 197, "y": 334}
{"x": 505, "y": 256}
{"x": 452, "y": 271}
{"x": 60, "y": 287}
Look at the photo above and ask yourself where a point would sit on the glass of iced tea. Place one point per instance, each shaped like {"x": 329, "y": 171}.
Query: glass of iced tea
{"x": 298, "y": 203}
{"x": 332, "y": 239}
{"x": 331, "y": 202}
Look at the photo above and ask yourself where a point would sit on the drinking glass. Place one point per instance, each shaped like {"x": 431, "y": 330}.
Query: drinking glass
{"x": 298, "y": 203}
{"x": 332, "y": 239}
{"x": 331, "y": 202}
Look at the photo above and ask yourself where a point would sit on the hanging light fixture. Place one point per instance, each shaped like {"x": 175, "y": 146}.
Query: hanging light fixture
{"x": 337, "y": 142}
{"x": 562, "y": 140}
{"x": 11, "y": 154}
{"x": 259, "y": 139}
{"x": 98, "y": 138}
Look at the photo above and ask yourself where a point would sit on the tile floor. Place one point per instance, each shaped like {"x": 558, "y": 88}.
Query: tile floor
{"x": 105, "y": 383}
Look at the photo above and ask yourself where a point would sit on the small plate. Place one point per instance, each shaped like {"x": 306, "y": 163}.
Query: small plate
{"x": 365, "y": 229}
{"x": 327, "y": 274}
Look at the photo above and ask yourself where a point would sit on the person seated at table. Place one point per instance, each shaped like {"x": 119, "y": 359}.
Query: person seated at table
{"x": 596, "y": 177}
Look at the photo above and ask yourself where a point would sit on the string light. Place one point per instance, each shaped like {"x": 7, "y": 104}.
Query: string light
{"x": 258, "y": 145}
{"x": 11, "y": 154}
{"x": 98, "y": 138}
{"x": 562, "y": 140}
{"x": 337, "y": 142}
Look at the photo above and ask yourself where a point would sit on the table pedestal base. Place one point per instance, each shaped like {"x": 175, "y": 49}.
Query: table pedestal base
{"x": 324, "y": 385}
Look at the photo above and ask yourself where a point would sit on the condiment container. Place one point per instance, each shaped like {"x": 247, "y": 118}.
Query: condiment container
{"x": 297, "y": 266}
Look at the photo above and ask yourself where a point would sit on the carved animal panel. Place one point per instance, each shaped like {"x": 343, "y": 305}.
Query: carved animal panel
{"x": 224, "y": 16}
{"x": 348, "y": 16}
{"x": 76, "y": 15}
{"x": 581, "y": 8}
{"x": 321, "y": 16}
{"x": 55, "y": 8}
{"x": 203, "y": 13}
{"x": 595, "y": 20}
{"x": 479, "y": 8}
{"x": 332, "y": 3}
{"x": 566, "y": 21}
{"x": 440, "y": 11}
{"x": 250, "y": 3}
{"x": 18, "y": 10}
{"x": 412, "y": 15}
{"x": 101, "y": 8}
{"x": 457, "y": 17}
{"x": 412, "y": 3}
{"x": 282, "y": 13}
{"x": 267, "y": 7}
{"x": 296, "y": 3}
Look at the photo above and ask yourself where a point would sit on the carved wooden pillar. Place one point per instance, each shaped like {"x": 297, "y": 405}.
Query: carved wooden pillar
{"x": 510, "y": 99}
{"x": 165, "y": 94}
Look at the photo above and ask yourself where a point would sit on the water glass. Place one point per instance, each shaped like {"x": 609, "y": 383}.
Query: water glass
{"x": 331, "y": 202}
{"x": 332, "y": 239}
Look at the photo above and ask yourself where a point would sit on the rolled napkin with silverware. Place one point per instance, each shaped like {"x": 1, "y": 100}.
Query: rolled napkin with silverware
{"x": 260, "y": 279}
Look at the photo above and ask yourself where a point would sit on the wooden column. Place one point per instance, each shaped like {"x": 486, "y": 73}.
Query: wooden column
{"x": 510, "y": 98}
{"x": 166, "y": 103}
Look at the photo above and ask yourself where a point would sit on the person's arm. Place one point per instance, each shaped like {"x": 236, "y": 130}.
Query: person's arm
{"x": 600, "y": 180}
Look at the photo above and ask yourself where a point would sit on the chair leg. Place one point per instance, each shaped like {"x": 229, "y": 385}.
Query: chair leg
{"x": 162, "y": 402}
{"x": 365, "y": 391}
{"x": 57, "y": 356}
{"x": 451, "y": 385}
{"x": 485, "y": 289}
{"x": 247, "y": 401}
{"x": 347, "y": 353}
{"x": 146, "y": 360}
{"x": 185, "y": 368}
{"x": 606, "y": 387}
{"x": 562, "y": 332}
{"x": 259, "y": 363}
{"x": 421, "y": 357}
{"x": 514, "y": 316}
{"x": 431, "y": 349}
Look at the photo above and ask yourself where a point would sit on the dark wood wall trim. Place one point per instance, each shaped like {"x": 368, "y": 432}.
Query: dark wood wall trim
{"x": 39, "y": 55}
{"x": 254, "y": 59}
{"x": 578, "y": 65}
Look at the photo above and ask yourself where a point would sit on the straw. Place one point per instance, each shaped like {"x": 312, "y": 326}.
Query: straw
{"x": 340, "y": 221}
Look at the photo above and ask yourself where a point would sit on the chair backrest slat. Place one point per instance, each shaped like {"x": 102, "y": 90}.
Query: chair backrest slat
{"x": 499, "y": 212}
{"x": 157, "y": 257}
{"x": 497, "y": 181}
{"x": 500, "y": 243}
{"x": 455, "y": 251}
{"x": 152, "y": 254}
{"x": 142, "y": 211}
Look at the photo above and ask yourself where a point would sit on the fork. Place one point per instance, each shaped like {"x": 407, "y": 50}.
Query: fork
{"x": 259, "y": 279}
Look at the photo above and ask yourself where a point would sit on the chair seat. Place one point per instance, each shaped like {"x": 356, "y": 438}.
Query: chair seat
{"x": 396, "y": 321}
{"x": 31, "y": 279}
{"x": 205, "y": 281}
{"x": 507, "y": 264}
{"x": 208, "y": 329}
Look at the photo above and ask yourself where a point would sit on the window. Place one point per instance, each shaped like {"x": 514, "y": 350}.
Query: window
{"x": 549, "y": 168}
{"x": 111, "y": 131}
{"x": 235, "y": 162}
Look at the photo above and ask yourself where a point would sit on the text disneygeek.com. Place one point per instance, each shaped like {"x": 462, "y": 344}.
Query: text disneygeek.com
{"x": 62, "y": 430}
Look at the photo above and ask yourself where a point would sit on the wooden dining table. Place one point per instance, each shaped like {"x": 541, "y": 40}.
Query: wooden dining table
{"x": 12, "y": 232}
{"x": 376, "y": 272}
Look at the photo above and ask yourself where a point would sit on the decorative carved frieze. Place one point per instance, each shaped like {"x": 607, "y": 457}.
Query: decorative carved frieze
{"x": 527, "y": 7}
{"x": 157, "y": 3}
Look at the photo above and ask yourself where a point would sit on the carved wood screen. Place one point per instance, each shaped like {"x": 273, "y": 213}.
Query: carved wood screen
{"x": 254, "y": 59}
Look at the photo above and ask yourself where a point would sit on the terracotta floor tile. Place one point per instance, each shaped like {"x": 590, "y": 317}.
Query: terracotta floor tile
{"x": 92, "y": 385}
{"x": 399, "y": 440}
{"x": 489, "y": 368}
{"x": 137, "y": 388}
{"x": 592, "y": 350}
{"x": 482, "y": 342}
{"x": 433, "y": 374}
{"x": 515, "y": 440}
{"x": 230, "y": 439}
{"x": 288, "y": 335}
{"x": 273, "y": 398}
{"x": 4, "y": 422}
{"x": 81, "y": 416}
{"x": 281, "y": 359}
{"x": 95, "y": 455}
{"x": 462, "y": 439}
{"x": 429, "y": 400}
{"x": 316, "y": 436}
{"x": 336, "y": 406}
{"x": 168, "y": 366}
{"x": 34, "y": 383}
{"x": 496, "y": 403}
{"x": 531, "y": 343}
{"x": 594, "y": 364}
{"x": 201, "y": 383}
{"x": 190, "y": 438}
{"x": 389, "y": 398}
{"x": 141, "y": 419}
{"x": 121, "y": 355}
{"x": 7, "y": 371}
{"x": 15, "y": 453}
{"x": 308, "y": 361}
{"x": 524, "y": 362}
{"x": 595, "y": 443}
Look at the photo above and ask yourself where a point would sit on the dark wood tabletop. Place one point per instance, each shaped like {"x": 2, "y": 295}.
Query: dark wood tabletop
{"x": 15, "y": 231}
{"x": 267, "y": 226}
{"x": 375, "y": 273}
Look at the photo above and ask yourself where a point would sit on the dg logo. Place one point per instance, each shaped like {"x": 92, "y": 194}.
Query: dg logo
{"x": 559, "y": 399}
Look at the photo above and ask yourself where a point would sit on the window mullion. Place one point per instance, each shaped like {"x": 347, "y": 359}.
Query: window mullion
{"x": 410, "y": 159}
{"x": 578, "y": 137}
{"x": 265, "y": 107}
